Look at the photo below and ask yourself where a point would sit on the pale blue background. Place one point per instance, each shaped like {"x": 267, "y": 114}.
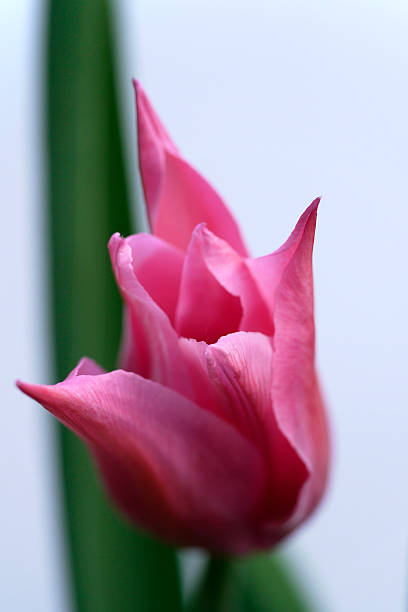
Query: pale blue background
{"x": 276, "y": 102}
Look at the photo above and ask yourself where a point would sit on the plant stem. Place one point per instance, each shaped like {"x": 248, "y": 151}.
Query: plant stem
{"x": 210, "y": 593}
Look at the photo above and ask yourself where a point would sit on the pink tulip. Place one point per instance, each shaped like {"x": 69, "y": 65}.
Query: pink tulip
{"x": 213, "y": 433}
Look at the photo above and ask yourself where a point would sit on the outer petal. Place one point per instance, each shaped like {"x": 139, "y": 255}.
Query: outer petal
{"x": 205, "y": 310}
{"x": 175, "y": 468}
{"x": 177, "y": 196}
{"x": 297, "y": 399}
{"x": 152, "y": 347}
{"x": 233, "y": 379}
{"x": 243, "y": 363}
{"x": 268, "y": 271}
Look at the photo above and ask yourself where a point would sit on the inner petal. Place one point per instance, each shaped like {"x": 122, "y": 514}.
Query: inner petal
{"x": 206, "y": 310}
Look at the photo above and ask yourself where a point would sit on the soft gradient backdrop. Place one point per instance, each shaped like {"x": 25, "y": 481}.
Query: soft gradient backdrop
{"x": 276, "y": 102}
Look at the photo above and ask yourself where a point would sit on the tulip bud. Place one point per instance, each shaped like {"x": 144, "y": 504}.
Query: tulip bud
{"x": 214, "y": 432}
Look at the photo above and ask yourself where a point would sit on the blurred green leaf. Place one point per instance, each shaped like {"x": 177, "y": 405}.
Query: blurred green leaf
{"x": 113, "y": 567}
{"x": 261, "y": 583}
{"x": 264, "y": 583}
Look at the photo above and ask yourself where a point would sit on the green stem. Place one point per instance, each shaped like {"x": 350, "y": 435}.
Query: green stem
{"x": 211, "y": 591}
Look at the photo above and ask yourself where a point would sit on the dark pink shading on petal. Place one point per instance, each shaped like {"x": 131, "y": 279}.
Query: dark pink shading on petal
{"x": 171, "y": 466}
{"x": 177, "y": 197}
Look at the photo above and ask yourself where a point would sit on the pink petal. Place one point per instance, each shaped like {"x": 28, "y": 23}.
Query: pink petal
{"x": 297, "y": 399}
{"x": 86, "y": 366}
{"x": 177, "y": 197}
{"x": 153, "y": 140}
{"x": 243, "y": 366}
{"x": 233, "y": 379}
{"x": 175, "y": 468}
{"x": 254, "y": 281}
{"x": 285, "y": 283}
{"x": 205, "y": 309}
{"x": 152, "y": 347}
{"x": 268, "y": 270}
{"x": 158, "y": 267}
{"x": 233, "y": 272}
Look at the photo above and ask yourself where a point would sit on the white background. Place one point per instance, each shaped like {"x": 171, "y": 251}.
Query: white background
{"x": 31, "y": 563}
{"x": 276, "y": 102}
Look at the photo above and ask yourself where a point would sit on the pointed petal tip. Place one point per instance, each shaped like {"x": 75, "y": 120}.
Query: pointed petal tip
{"x": 115, "y": 238}
{"x": 86, "y": 366}
{"x": 203, "y": 232}
{"x": 36, "y": 392}
{"x": 137, "y": 86}
{"x": 200, "y": 229}
{"x": 114, "y": 244}
{"x": 307, "y": 221}
{"x": 20, "y": 384}
{"x": 310, "y": 214}
{"x": 140, "y": 95}
{"x": 312, "y": 208}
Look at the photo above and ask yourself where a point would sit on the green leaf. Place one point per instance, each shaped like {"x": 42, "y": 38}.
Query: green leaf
{"x": 264, "y": 583}
{"x": 113, "y": 567}
{"x": 261, "y": 583}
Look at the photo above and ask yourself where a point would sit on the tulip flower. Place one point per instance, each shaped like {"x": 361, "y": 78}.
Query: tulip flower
{"x": 213, "y": 432}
